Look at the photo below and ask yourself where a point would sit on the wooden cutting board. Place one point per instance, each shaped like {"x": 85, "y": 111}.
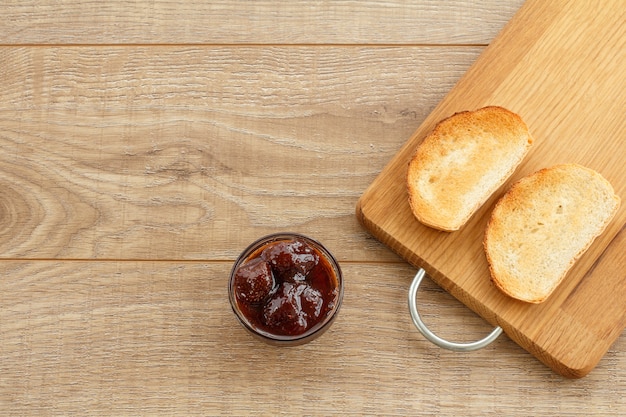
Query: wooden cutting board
{"x": 561, "y": 65}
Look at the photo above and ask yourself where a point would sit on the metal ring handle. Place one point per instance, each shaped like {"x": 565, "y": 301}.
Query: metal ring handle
{"x": 417, "y": 320}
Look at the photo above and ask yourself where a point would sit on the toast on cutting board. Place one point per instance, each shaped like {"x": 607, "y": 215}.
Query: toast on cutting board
{"x": 462, "y": 162}
{"x": 542, "y": 225}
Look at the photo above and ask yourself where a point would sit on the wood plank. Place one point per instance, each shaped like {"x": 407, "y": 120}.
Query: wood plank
{"x": 539, "y": 67}
{"x": 174, "y": 152}
{"x": 122, "y": 338}
{"x": 258, "y": 22}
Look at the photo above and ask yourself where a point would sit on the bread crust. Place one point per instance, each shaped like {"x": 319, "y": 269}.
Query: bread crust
{"x": 462, "y": 162}
{"x": 542, "y": 226}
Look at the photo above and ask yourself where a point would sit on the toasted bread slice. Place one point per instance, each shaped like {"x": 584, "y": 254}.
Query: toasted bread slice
{"x": 542, "y": 225}
{"x": 462, "y": 162}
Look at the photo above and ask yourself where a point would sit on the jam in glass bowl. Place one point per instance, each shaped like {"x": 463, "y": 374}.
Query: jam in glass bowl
{"x": 286, "y": 288}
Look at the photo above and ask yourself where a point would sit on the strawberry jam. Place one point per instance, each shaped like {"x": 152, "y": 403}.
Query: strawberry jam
{"x": 285, "y": 287}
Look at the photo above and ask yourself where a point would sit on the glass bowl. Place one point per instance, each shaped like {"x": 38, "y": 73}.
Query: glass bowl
{"x": 286, "y": 289}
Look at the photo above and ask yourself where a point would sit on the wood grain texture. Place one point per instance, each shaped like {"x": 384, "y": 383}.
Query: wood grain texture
{"x": 191, "y": 153}
{"x": 258, "y": 22}
{"x": 144, "y": 144}
{"x": 584, "y": 125}
{"x": 104, "y": 338}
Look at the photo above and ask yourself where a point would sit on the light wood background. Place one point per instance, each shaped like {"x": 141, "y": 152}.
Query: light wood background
{"x": 144, "y": 145}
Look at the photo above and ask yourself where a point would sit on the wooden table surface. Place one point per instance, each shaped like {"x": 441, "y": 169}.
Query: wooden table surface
{"x": 144, "y": 145}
